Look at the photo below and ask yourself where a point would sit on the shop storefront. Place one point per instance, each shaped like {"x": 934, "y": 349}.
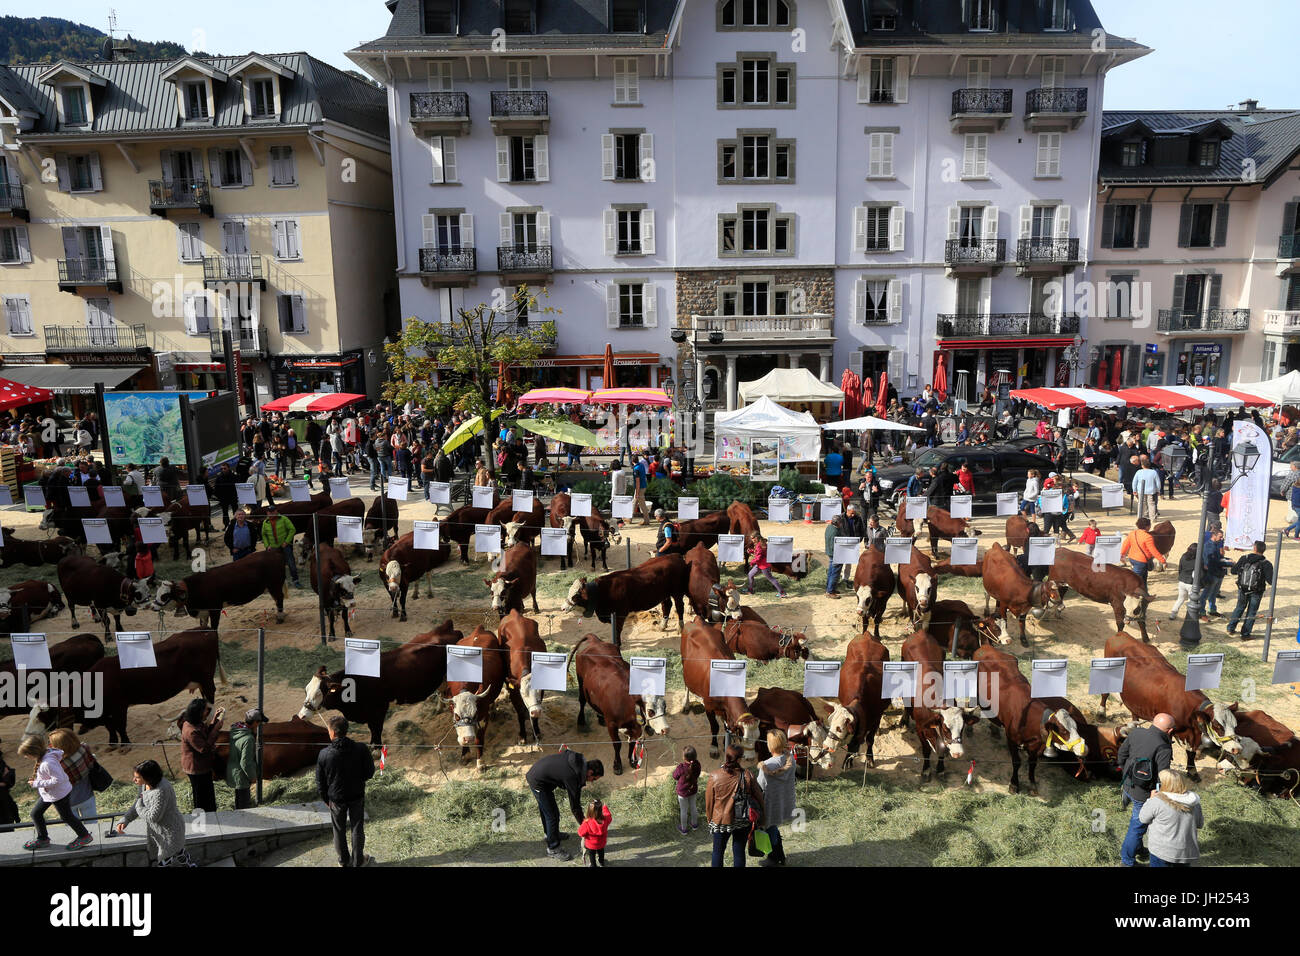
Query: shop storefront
{"x": 1032, "y": 363}
{"x": 631, "y": 369}
{"x": 74, "y": 385}
{"x": 291, "y": 375}
{"x": 1200, "y": 363}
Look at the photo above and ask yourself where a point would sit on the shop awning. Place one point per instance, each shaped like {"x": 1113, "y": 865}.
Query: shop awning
{"x": 1245, "y": 398}
{"x": 81, "y": 379}
{"x": 313, "y": 402}
{"x": 13, "y": 395}
{"x": 1058, "y": 398}
{"x": 1163, "y": 398}
{"x": 200, "y": 367}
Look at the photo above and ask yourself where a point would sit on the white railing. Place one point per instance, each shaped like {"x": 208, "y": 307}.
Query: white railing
{"x": 805, "y": 325}
{"x": 1278, "y": 320}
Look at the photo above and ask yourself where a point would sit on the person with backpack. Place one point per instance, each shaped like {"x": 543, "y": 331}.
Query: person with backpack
{"x": 733, "y": 803}
{"x": 1186, "y": 577}
{"x": 1143, "y": 754}
{"x": 1254, "y": 575}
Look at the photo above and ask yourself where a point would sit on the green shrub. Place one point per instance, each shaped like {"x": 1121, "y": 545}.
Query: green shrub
{"x": 719, "y": 491}
{"x": 663, "y": 492}
{"x": 599, "y": 491}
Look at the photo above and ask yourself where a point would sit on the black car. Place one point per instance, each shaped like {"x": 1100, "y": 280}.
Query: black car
{"x": 995, "y": 467}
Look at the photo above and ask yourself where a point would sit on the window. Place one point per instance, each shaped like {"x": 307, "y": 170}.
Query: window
{"x": 291, "y": 308}
{"x": 1120, "y": 226}
{"x": 875, "y": 303}
{"x": 755, "y": 81}
{"x": 523, "y": 159}
{"x": 876, "y": 226}
{"x": 755, "y": 231}
{"x": 972, "y": 226}
{"x": 784, "y": 88}
{"x": 626, "y": 80}
{"x": 18, "y": 314}
{"x": 626, "y": 156}
{"x": 754, "y": 14}
{"x": 198, "y": 313}
{"x": 755, "y": 152}
{"x": 625, "y": 16}
{"x": 629, "y": 232}
{"x": 79, "y": 172}
{"x": 755, "y": 76}
{"x": 99, "y": 320}
{"x": 1202, "y": 225}
{"x": 1053, "y": 72}
{"x": 975, "y": 156}
{"x": 981, "y": 14}
{"x": 230, "y": 167}
{"x": 262, "y": 95}
{"x": 969, "y": 296}
{"x": 524, "y": 237}
{"x": 234, "y": 238}
{"x": 1207, "y": 154}
{"x": 1043, "y": 222}
{"x": 188, "y": 243}
{"x": 440, "y": 77}
{"x": 439, "y": 16}
{"x": 753, "y": 298}
{"x": 447, "y": 234}
{"x": 15, "y": 246}
{"x": 782, "y": 243}
{"x": 882, "y": 79}
{"x": 442, "y": 149}
{"x": 1130, "y": 154}
{"x": 631, "y": 305}
{"x": 1049, "y": 155}
{"x": 1119, "y": 296}
{"x": 286, "y": 242}
{"x": 74, "y": 105}
{"x": 196, "y": 100}
{"x": 978, "y": 72}
{"x": 1291, "y": 302}
{"x": 783, "y": 161}
{"x": 283, "y": 170}
{"x": 1056, "y": 14}
{"x": 519, "y": 75}
{"x": 881, "y": 156}
{"x": 884, "y": 21}
{"x": 518, "y": 16}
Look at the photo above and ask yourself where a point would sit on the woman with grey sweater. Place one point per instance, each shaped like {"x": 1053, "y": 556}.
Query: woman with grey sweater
{"x": 163, "y": 822}
{"x": 776, "y": 778}
{"x": 1172, "y": 815}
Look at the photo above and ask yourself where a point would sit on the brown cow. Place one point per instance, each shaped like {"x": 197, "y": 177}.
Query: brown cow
{"x": 946, "y": 567}
{"x": 405, "y": 565}
{"x": 103, "y": 590}
{"x": 471, "y": 702}
{"x": 560, "y": 516}
{"x": 603, "y": 682}
{"x": 873, "y": 583}
{"x": 66, "y": 521}
{"x": 1269, "y": 749}
{"x": 1152, "y": 686}
{"x": 25, "y": 602}
{"x": 207, "y": 592}
{"x": 327, "y": 523}
{"x": 17, "y": 550}
{"x": 791, "y": 713}
{"x": 520, "y": 635}
{"x": 1101, "y": 743}
{"x": 1014, "y": 592}
{"x": 182, "y": 518}
{"x": 939, "y": 723}
{"x": 597, "y": 535}
{"x": 524, "y": 526}
{"x": 380, "y": 530}
{"x": 1019, "y": 531}
{"x": 918, "y": 586}
{"x": 288, "y": 746}
{"x": 944, "y": 527}
{"x": 515, "y": 579}
{"x": 1164, "y": 536}
{"x": 1028, "y": 723}
{"x": 660, "y": 582}
{"x": 74, "y": 655}
{"x": 459, "y": 526}
{"x": 703, "y": 578}
{"x": 1118, "y": 587}
{"x": 336, "y": 584}
{"x": 701, "y": 644}
{"x": 959, "y": 629}
{"x": 298, "y": 512}
{"x": 738, "y": 518}
{"x": 857, "y": 715}
{"x": 752, "y": 637}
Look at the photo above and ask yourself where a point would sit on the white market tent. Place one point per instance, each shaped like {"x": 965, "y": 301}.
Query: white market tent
{"x": 799, "y": 435}
{"x": 790, "y": 385}
{"x": 1283, "y": 390}
{"x": 869, "y": 423}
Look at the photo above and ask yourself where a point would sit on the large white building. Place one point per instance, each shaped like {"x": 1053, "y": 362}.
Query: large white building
{"x": 867, "y": 184}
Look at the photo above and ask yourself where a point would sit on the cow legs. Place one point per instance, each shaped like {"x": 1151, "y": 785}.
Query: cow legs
{"x": 72, "y": 609}
{"x": 517, "y": 701}
{"x": 347, "y": 622}
{"x": 925, "y": 757}
{"x": 536, "y": 609}
{"x": 619, "y": 621}
{"x": 1033, "y": 781}
{"x": 1013, "y": 749}
{"x": 604, "y": 555}
{"x": 464, "y": 553}
{"x": 713, "y": 734}
{"x": 618, "y": 755}
{"x": 582, "y": 706}
{"x": 278, "y": 597}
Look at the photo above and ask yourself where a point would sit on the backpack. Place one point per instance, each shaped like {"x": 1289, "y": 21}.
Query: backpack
{"x": 740, "y": 809}
{"x": 1251, "y": 578}
{"x": 1142, "y": 772}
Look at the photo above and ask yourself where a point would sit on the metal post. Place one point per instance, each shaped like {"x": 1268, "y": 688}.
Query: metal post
{"x": 628, "y": 542}
{"x": 1272, "y": 598}
{"x": 320, "y": 580}
{"x": 261, "y": 690}
{"x": 103, "y": 427}
{"x": 1190, "y": 632}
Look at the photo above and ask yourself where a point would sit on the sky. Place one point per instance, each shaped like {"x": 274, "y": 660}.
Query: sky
{"x": 1207, "y": 54}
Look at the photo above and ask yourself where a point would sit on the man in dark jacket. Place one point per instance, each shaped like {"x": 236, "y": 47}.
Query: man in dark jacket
{"x": 314, "y": 435}
{"x": 1128, "y": 467}
{"x": 846, "y": 525}
{"x": 342, "y": 769}
{"x": 572, "y": 771}
{"x": 223, "y": 487}
{"x": 1254, "y": 575}
{"x": 1144, "y": 753}
{"x": 941, "y": 488}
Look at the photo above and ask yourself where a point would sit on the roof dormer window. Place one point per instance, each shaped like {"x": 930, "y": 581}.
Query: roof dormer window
{"x": 979, "y": 15}
{"x": 73, "y": 101}
{"x": 1057, "y": 14}
{"x": 625, "y": 16}
{"x": 520, "y": 16}
{"x": 1130, "y": 154}
{"x": 439, "y": 16}
{"x": 1207, "y": 154}
{"x": 196, "y": 100}
{"x": 261, "y": 92}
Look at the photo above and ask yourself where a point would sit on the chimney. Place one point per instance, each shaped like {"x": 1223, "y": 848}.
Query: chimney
{"x": 1249, "y": 106}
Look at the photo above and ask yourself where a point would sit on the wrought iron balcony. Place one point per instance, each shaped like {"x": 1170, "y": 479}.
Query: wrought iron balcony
{"x": 165, "y": 194}
{"x": 435, "y": 260}
{"x": 532, "y": 261}
{"x": 974, "y": 253}
{"x": 1176, "y": 321}
{"x": 240, "y": 268}
{"x": 980, "y": 109}
{"x": 520, "y": 111}
{"x": 541, "y": 331}
{"x": 249, "y": 339}
{"x": 809, "y": 325}
{"x": 1054, "y": 107}
{"x": 440, "y": 111}
{"x": 1282, "y": 321}
{"x": 89, "y": 272}
{"x": 110, "y": 338}
{"x": 1005, "y": 324}
{"x": 13, "y": 201}
{"x": 1288, "y": 246}
{"x": 1053, "y": 252}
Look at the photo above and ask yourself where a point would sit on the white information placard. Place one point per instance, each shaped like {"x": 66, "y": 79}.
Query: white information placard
{"x": 959, "y": 680}
{"x": 778, "y": 509}
{"x": 522, "y": 501}
{"x": 153, "y": 497}
{"x": 152, "y": 531}
{"x": 360, "y": 657}
{"x": 731, "y": 548}
{"x": 349, "y": 529}
{"x": 727, "y": 678}
{"x": 1048, "y": 677}
{"x": 647, "y": 676}
{"x": 621, "y": 506}
{"x": 846, "y": 550}
{"x": 1042, "y": 551}
{"x": 965, "y": 551}
{"x": 113, "y": 496}
{"x": 96, "y": 531}
{"x": 898, "y": 680}
{"x": 298, "y": 490}
{"x": 340, "y": 490}
{"x": 196, "y": 495}
{"x": 464, "y": 664}
{"x": 31, "y": 652}
{"x": 916, "y": 508}
{"x": 1106, "y": 675}
{"x": 580, "y": 504}
{"x": 482, "y": 495}
{"x": 440, "y": 492}
{"x": 397, "y": 488}
{"x": 135, "y": 649}
{"x": 821, "y": 678}
{"x": 34, "y": 496}
{"x": 246, "y": 493}
{"x": 1051, "y": 501}
{"x": 830, "y": 508}
{"x": 78, "y": 497}
{"x": 1008, "y": 503}
{"x": 1286, "y": 669}
{"x": 549, "y": 671}
{"x": 1112, "y": 496}
{"x": 6, "y": 496}
{"x": 780, "y": 549}
{"x": 487, "y": 538}
{"x": 688, "y": 509}
{"x": 1204, "y": 671}
{"x": 426, "y": 535}
{"x": 898, "y": 550}
{"x": 959, "y": 506}
{"x": 555, "y": 543}
{"x": 1105, "y": 550}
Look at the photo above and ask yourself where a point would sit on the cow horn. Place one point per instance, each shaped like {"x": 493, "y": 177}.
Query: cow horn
{"x": 483, "y": 693}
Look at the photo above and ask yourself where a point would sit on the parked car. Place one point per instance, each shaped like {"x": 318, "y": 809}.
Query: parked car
{"x": 1282, "y": 468}
{"x": 995, "y": 467}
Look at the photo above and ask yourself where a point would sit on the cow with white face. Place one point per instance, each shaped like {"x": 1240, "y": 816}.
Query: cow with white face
{"x": 36, "y": 600}
{"x": 1219, "y": 731}
{"x": 1062, "y": 731}
{"x": 816, "y": 737}
{"x": 514, "y": 580}
{"x": 471, "y": 702}
{"x": 840, "y": 726}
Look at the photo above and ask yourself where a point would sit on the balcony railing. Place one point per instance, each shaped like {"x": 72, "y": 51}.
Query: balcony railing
{"x": 179, "y": 194}
{"x": 512, "y": 259}
{"x": 249, "y": 339}
{"x": 541, "y": 331}
{"x": 981, "y": 101}
{"x": 1056, "y": 100}
{"x": 1210, "y": 320}
{"x": 75, "y": 272}
{"x": 116, "y": 338}
{"x": 434, "y": 260}
{"x": 1288, "y": 246}
{"x": 238, "y": 268}
{"x": 1051, "y": 251}
{"x": 439, "y": 106}
{"x": 520, "y": 103}
{"x": 973, "y": 324}
{"x": 957, "y": 252}
{"x": 13, "y": 201}
{"x": 1282, "y": 321}
{"x": 740, "y": 327}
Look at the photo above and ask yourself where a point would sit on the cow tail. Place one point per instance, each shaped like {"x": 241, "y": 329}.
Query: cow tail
{"x": 221, "y": 671}
{"x": 574, "y": 653}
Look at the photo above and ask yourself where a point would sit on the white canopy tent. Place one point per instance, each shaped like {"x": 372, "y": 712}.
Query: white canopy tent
{"x": 797, "y": 436}
{"x": 1283, "y": 390}
{"x": 789, "y": 385}
{"x": 869, "y": 423}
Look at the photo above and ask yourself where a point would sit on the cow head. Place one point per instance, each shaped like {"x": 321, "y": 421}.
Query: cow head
{"x": 371, "y": 537}
{"x": 746, "y": 730}
{"x": 318, "y": 692}
{"x": 532, "y": 697}
{"x": 47, "y": 520}
{"x": 114, "y": 561}
{"x": 864, "y": 598}
{"x": 567, "y": 524}
{"x": 465, "y": 713}
{"x": 1042, "y": 595}
{"x": 793, "y": 646}
{"x": 613, "y": 533}
{"x": 1135, "y": 607}
{"x": 1218, "y": 728}
{"x": 6, "y": 603}
{"x": 170, "y": 592}
{"x": 731, "y": 609}
{"x": 135, "y": 593}
{"x": 987, "y": 630}
{"x": 656, "y": 715}
{"x": 500, "y": 586}
{"x": 512, "y": 532}
{"x": 840, "y": 727}
{"x": 1250, "y": 751}
{"x": 393, "y": 576}
{"x": 1062, "y": 731}
{"x": 817, "y": 737}
{"x": 345, "y": 590}
{"x": 924, "y": 583}
{"x": 952, "y": 722}
{"x": 577, "y": 597}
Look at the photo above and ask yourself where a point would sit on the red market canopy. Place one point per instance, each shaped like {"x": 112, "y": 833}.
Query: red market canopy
{"x": 314, "y": 402}
{"x": 1246, "y": 398}
{"x": 1058, "y": 398}
{"x": 1163, "y": 398}
{"x": 13, "y": 395}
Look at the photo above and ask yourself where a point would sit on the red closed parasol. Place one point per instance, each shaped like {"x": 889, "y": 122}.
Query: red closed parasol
{"x": 941, "y": 378}
{"x": 882, "y": 399}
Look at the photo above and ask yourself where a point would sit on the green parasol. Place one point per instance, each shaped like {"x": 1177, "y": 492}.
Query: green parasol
{"x": 468, "y": 428}
{"x": 561, "y": 430}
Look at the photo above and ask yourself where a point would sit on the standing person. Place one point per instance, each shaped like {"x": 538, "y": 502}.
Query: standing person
{"x": 53, "y": 790}
{"x": 1143, "y": 754}
{"x": 639, "y": 481}
{"x": 1089, "y": 536}
{"x": 1291, "y": 495}
{"x": 572, "y": 771}
{"x": 1140, "y": 549}
{"x": 429, "y": 470}
{"x": 1033, "y": 487}
{"x": 198, "y": 750}
{"x": 77, "y": 761}
{"x": 777, "y": 779}
{"x": 168, "y": 478}
{"x": 277, "y": 534}
{"x": 686, "y": 778}
{"x": 875, "y": 534}
{"x": 1214, "y": 567}
{"x": 384, "y": 452}
{"x": 314, "y": 435}
{"x": 342, "y": 769}
{"x": 223, "y": 487}
{"x": 482, "y": 477}
{"x": 1186, "y": 577}
{"x": 732, "y": 803}
{"x": 1128, "y": 467}
{"x": 869, "y": 489}
{"x": 1254, "y": 575}
{"x": 133, "y": 482}
{"x": 833, "y": 468}
{"x": 338, "y": 446}
{"x": 595, "y": 833}
{"x": 156, "y": 806}
{"x": 8, "y": 778}
{"x": 241, "y": 764}
{"x": 1172, "y": 818}
{"x": 1146, "y": 488}
{"x": 372, "y": 457}
{"x": 917, "y": 484}
{"x": 758, "y": 564}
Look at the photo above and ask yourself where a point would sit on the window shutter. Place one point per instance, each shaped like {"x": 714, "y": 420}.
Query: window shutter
{"x": 1026, "y": 222}
{"x": 214, "y": 167}
{"x": 191, "y": 319}
{"x": 543, "y": 228}
{"x": 954, "y": 222}
{"x": 611, "y": 305}
{"x": 466, "y": 231}
{"x": 986, "y": 295}
{"x": 1108, "y": 226}
{"x": 299, "y": 313}
{"x": 1144, "y": 225}
{"x": 646, "y": 155}
{"x": 896, "y": 366}
{"x": 503, "y": 159}
{"x": 968, "y": 157}
{"x": 1180, "y": 292}
{"x": 167, "y": 165}
{"x": 648, "y": 231}
{"x": 61, "y": 165}
{"x": 860, "y": 301}
{"x": 507, "y": 234}
{"x": 1062, "y": 221}
{"x": 1216, "y": 287}
{"x": 990, "y": 222}
{"x": 901, "y": 76}
{"x": 859, "y": 228}
{"x": 290, "y": 166}
{"x": 607, "y": 156}
{"x": 611, "y": 232}
{"x": 864, "y": 80}
{"x": 1185, "y": 226}
{"x": 1221, "y": 224}
{"x": 106, "y": 242}
{"x": 1132, "y": 364}
{"x": 292, "y": 239}
{"x": 541, "y": 158}
{"x": 245, "y": 169}
{"x": 897, "y": 227}
{"x": 284, "y": 309}
{"x": 435, "y": 151}
{"x": 649, "y": 305}
{"x": 855, "y": 362}
{"x": 278, "y": 248}
{"x": 895, "y": 301}
{"x": 428, "y": 231}
{"x": 1288, "y": 218}
{"x": 24, "y": 244}
{"x": 96, "y": 175}
{"x": 449, "y": 160}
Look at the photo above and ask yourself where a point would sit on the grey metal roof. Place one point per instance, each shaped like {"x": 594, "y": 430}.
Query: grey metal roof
{"x": 69, "y": 378}
{"x": 137, "y": 99}
{"x": 941, "y": 23}
{"x": 1266, "y": 138}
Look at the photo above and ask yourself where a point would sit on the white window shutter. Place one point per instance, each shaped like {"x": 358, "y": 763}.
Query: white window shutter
{"x": 1062, "y": 221}
{"x": 649, "y": 305}
{"x": 611, "y": 305}
{"x": 607, "y": 156}
{"x": 954, "y": 222}
{"x": 106, "y": 241}
{"x": 990, "y": 222}
{"x": 873, "y": 154}
{"x": 611, "y": 232}
{"x": 299, "y": 313}
{"x": 290, "y": 165}
{"x": 25, "y": 313}
{"x": 855, "y": 362}
{"x": 24, "y": 244}
{"x": 293, "y": 238}
{"x": 633, "y": 81}
{"x": 507, "y": 233}
{"x": 968, "y": 156}
{"x": 902, "y": 73}
{"x": 191, "y": 319}
{"x": 895, "y": 293}
{"x": 61, "y": 166}
{"x": 541, "y": 158}
{"x": 214, "y": 167}
{"x": 646, "y": 155}
{"x": 648, "y": 231}
{"x": 1026, "y": 221}
{"x": 896, "y": 366}
{"x": 503, "y": 159}
{"x": 859, "y": 228}
{"x": 543, "y": 228}
{"x": 986, "y": 295}
{"x": 897, "y": 226}
{"x": 245, "y": 169}
{"x": 435, "y": 151}
{"x": 864, "y": 79}
{"x": 860, "y": 300}
{"x": 449, "y": 160}
{"x": 277, "y": 239}
{"x": 96, "y": 175}
{"x": 466, "y": 231}
{"x": 429, "y": 231}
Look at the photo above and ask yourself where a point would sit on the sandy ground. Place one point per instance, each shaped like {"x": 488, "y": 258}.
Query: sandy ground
{"x": 414, "y": 733}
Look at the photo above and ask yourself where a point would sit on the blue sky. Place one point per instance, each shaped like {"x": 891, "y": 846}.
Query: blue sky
{"x": 1208, "y": 54}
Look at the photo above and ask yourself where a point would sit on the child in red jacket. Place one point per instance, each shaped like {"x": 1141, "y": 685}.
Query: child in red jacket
{"x": 594, "y": 832}
{"x": 1089, "y": 536}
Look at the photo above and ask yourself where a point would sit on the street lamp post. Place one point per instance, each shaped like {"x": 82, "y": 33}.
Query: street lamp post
{"x": 695, "y": 403}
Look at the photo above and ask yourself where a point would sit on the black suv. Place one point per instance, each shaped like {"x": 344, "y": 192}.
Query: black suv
{"x": 995, "y": 467}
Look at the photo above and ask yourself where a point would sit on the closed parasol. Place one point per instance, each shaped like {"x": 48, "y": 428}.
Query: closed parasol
{"x": 608, "y": 380}
{"x": 941, "y": 379}
{"x": 882, "y": 399}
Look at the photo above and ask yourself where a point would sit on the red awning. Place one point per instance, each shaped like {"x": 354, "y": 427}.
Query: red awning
{"x": 1057, "y": 398}
{"x": 1152, "y": 397}
{"x": 1250, "y": 401}
{"x": 13, "y": 395}
{"x": 200, "y": 367}
{"x": 313, "y": 402}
